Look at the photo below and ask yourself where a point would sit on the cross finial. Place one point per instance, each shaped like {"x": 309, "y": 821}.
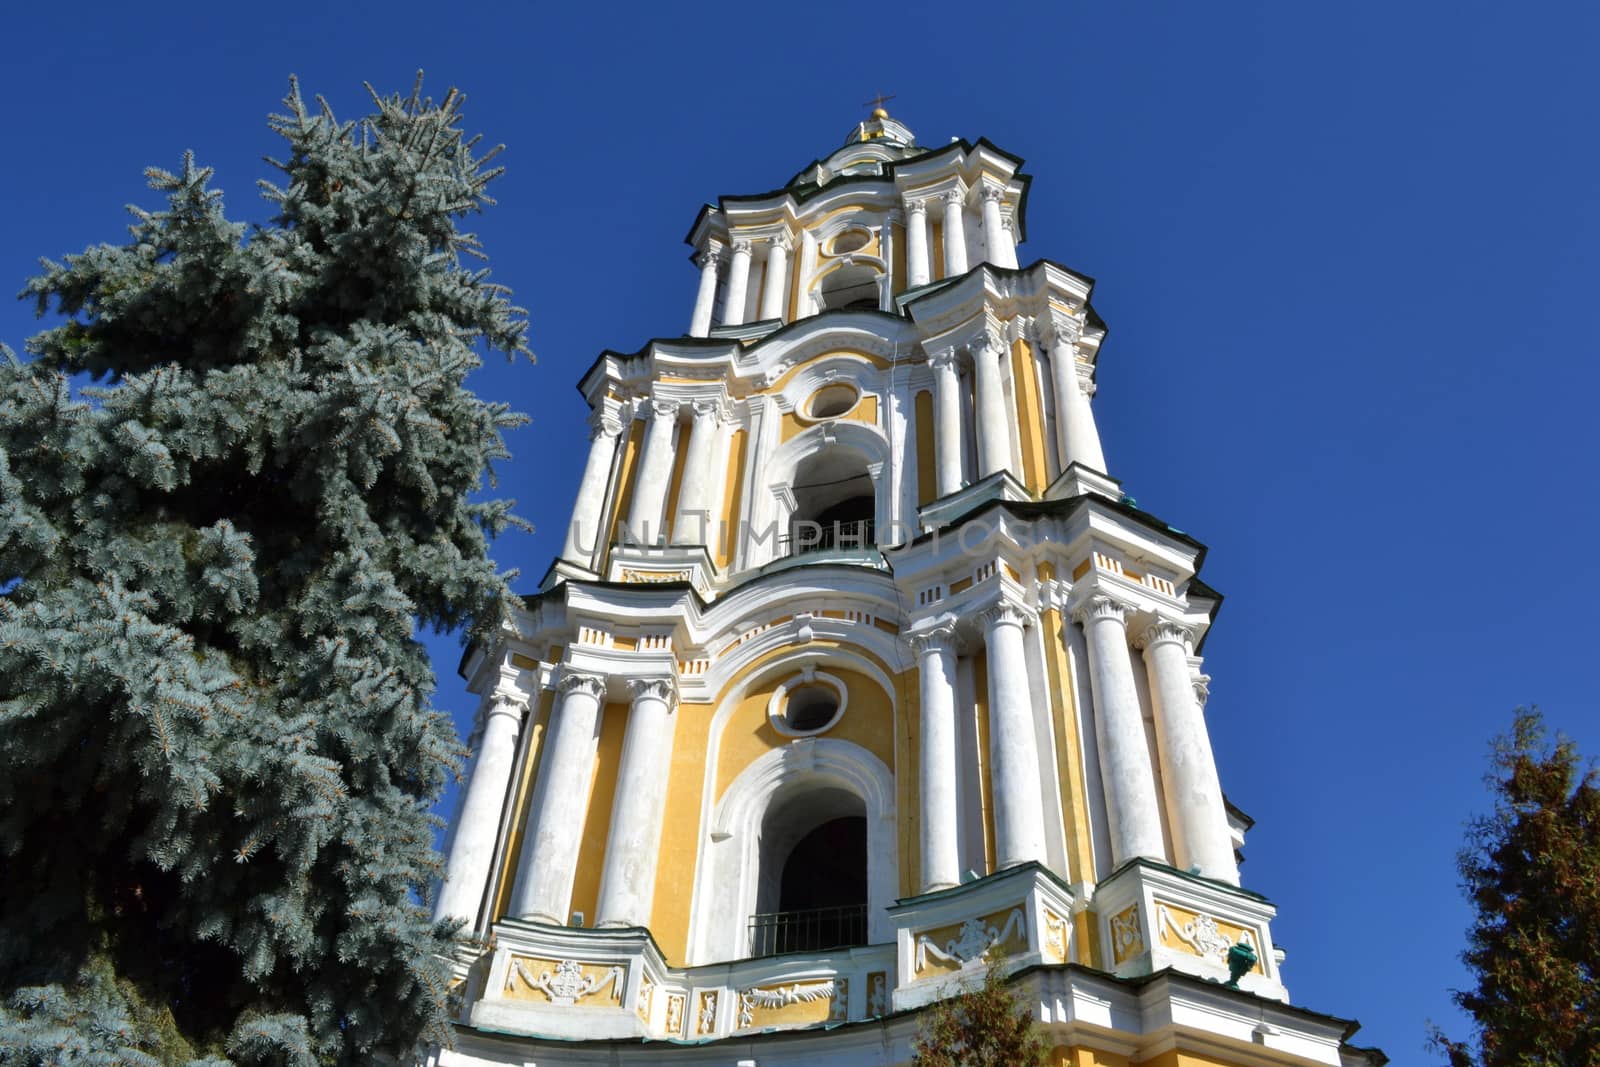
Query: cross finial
{"x": 877, "y": 102}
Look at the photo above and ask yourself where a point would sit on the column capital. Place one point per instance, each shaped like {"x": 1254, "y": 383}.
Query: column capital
{"x": 781, "y": 241}
{"x": 708, "y": 255}
{"x": 1005, "y": 613}
{"x": 664, "y": 409}
{"x": 942, "y": 359}
{"x": 1059, "y": 330}
{"x": 741, "y": 246}
{"x": 661, "y": 689}
{"x": 991, "y": 193}
{"x": 603, "y": 424}
{"x": 1101, "y": 606}
{"x": 940, "y": 637}
{"x": 583, "y": 682}
{"x": 953, "y": 198}
{"x": 1164, "y": 631}
{"x": 915, "y": 205}
{"x": 706, "y": 408}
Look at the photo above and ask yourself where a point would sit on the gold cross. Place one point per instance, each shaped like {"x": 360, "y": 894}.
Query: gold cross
{"x": 877, "y": 101}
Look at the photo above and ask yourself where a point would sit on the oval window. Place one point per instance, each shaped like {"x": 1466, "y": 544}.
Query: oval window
{"x": 810, "y": 703}
{"x": 851, "y": 240}
{"x": 831, "y": 401}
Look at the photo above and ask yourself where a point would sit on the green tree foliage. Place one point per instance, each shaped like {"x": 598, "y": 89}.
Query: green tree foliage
{"x": 1531, "y": 869}
{"x": 232, "y": 483}
{"x": 986, "y": 1026}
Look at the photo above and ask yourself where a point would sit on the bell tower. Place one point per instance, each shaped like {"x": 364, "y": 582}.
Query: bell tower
{"x": 857, "y": 673}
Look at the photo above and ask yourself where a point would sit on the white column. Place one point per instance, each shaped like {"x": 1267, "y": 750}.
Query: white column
{"x": 706, "y": 295}
{"x": 994, "y": 431}
{"x": 692, "y": 523}
{"x": 1014, "y": 747}
{"x": 1076, "y": 435}
{"x": 775, "y": 286}
{"x": 1188, "y": 766}
{"x": 1009, "y": 248}
{"x": 549, "y": 860}
{"x": 955, "y": 234}
{"x": 994, "y": 235}
{"x": 1132, "y": 807}
{"x": 947, "y": 420}
{"x": 939, "y": 769}
{"x": 478, "y": 823}
{"x": 628, "y": 879}
{"x": 650, "y": 483}
{"x": 917, "y": 267}
{"x": 733, "y": 300}
{"x": 584, "y": 534}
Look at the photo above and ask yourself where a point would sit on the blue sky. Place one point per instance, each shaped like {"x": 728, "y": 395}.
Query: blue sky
{"x": 1347, "y": 256}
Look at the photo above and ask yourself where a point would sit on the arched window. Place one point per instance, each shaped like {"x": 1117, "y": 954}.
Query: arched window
{"x": 812, "y": 876}
{"x": 835, "y": 504}
{"x": 851, "y": 286}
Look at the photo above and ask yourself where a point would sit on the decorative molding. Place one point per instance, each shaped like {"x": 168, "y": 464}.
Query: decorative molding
{"x": 939, "y": 638}
{"x": 705, "y": 1020}
{"x": 954, "y": 198}
{"x": 991, "y": 192}
{"x": 661, "y": 689}
{"x": 1127, "y": 935}
{"x": 1200, "y": 934}
{"x": 654, "y": 577}
{"x": 1004, "y": 613}
{"x": 1202, "y": 688}
{"x": 1164, "y": 630}
{"x": 568, "y": 984}
{"x": 916, "y": 206}
{"x": 583, "y": 682}
{"x": 1101, "y": 606}
{"x": 675, "y": 1004}
{"x": 831, "y": 990}
{"x": 1056, "y": 935}
{"x": 741, "y": 247}
{"x": 975, "y": 940}
{"x": 877, "y": 994}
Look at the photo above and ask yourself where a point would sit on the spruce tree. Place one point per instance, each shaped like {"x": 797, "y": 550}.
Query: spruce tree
{"x": 233, "y": 482}
{"x": 1531, "y": 870}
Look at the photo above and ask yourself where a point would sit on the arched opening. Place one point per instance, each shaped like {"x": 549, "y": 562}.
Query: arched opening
{"x": 834, "y": 504}
{"x": 812, "y": 875}
{"x": 853, "y": 286}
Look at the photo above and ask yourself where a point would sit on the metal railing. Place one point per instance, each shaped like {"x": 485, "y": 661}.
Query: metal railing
{"x": 807, "y": 536}
{"x": 811, "y": 930}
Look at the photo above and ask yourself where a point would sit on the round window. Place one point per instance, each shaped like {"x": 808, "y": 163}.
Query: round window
{"x": 831, "y": 401}
{"x": 810, "y": 707}
{"x": 808, "y": 704}
{"x": 851, "y": 240}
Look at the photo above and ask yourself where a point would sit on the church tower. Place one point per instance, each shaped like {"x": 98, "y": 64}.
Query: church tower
{"x": 858, "y": 672}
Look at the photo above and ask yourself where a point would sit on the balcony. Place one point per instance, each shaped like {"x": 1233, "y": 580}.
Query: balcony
{"x": 811, "y": 930}
{"x": 843, "y": 536}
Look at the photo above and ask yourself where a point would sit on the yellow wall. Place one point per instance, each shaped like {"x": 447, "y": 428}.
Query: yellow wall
{"x": 622, "y": 491}
{"x": 980, "y": 686}
{"x": 680, "y": 456}
{"x": 597, "y": 824}
{"x": 936, "y": 251}
{"x": 1030, "y": 417}
{"x": 927, "y": 466}
{"x": 1064, "y": 720}
{"x": 868, "y": 721}
{"x": 680, "y": 833}
{"x": 734, "y": 498}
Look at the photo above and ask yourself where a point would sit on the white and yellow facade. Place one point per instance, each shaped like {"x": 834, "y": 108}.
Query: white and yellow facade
{"x": 856, "y": 672}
